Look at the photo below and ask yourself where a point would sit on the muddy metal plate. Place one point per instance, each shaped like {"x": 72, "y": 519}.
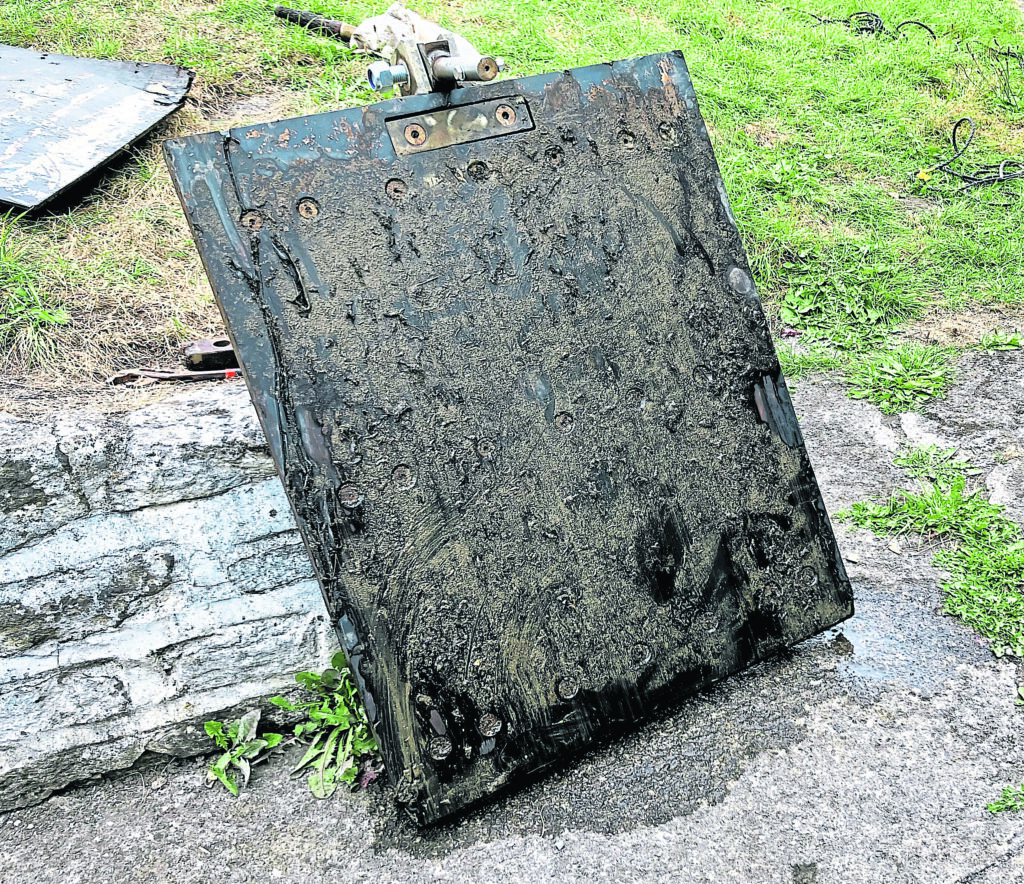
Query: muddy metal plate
{"x": 527, "y": 411}
{"x": 61, "y": 117}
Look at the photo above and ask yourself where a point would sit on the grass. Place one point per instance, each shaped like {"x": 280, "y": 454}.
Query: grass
{"x": 897, "y": 377}
{"x": 902, "y": 378}
{"x": 25, "y": 312}
{"x": 981, "y": 549}
{"x": 1012, "y": 799}
{"x": 997, "y": 340}
{"x": 819, "y": 131}
{"x": 935, "y": 465}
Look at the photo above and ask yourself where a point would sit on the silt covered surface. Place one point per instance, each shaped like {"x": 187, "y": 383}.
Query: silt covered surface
{"x": 526, "y": 408}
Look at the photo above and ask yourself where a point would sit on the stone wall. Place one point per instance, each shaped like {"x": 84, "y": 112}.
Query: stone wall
{"x": 151, "y": 578}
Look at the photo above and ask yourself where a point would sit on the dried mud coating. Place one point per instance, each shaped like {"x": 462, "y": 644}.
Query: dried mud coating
{"x": 527, "y": 410}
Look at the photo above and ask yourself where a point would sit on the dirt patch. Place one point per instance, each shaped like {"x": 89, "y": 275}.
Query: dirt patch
{"x": 765, "y": 133}
{"x": 827, "y": 228}
{"x": 915, "y": 205}
{"x": 948, "y": 329}
{"x": 262, "y": 108}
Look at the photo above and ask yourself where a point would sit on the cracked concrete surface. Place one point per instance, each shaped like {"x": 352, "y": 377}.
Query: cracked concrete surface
{"x": 864, "y": 755}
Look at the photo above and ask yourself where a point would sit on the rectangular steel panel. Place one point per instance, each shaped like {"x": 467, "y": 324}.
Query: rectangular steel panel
{"x": 526, "y": 407}
{"x": 62, "y": 116}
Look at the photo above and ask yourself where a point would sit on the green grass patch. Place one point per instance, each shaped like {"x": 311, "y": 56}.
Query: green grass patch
{"x": 982, "y": 550}
{"x": 27, "y": 309}
{"x": 1012, "y": 799}
{"x": 236, "y": 47}
{"x": 901, "y": 378}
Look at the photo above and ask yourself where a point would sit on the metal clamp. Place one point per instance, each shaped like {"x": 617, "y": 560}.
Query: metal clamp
{"x": 419, "y": 68}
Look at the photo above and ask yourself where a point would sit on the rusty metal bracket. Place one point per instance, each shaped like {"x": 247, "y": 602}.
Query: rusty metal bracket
{"x": 211, "y": 354}
{"x": 139, "y": 377}
{"x": 461, "y": 124}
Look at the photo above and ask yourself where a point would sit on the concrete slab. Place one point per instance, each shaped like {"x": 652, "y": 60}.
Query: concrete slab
{"x": 865, "y": 755}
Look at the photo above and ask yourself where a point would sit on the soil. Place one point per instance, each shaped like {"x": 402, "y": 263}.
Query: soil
{"x": 964, "y": 329}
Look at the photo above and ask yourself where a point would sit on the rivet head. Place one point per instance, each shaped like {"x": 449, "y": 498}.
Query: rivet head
{"x": 555, "y": 155}
{"x": 396, "y": 188}
{"x": 505, "y": 114}
{"x": 252, "y": 221}
{"x": 563, "y": 422}
{"x": 478, "y": 170}
{"x": 350, "y": 497}
{"x": 640, "y": 654}
{"x": 439, "y": 748}
{"x": 486, "y": 449}
{"x": 627, "y": 139}
{"x": 740, "y": 281}
{"x": 403, "y": 477}
{"x": 415, "y": 134}
{"x": 406, "y": 792}
{"x": 307, "y": 207}
{"x": 489, "y": 725}
{"x": 568, "y": 686}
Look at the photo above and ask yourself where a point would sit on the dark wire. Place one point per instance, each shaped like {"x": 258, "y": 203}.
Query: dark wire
{"x": 979, "y": 176}
{"x": 872, "y": 23}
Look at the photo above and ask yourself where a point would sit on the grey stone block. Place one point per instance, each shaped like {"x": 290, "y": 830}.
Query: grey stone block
{"x": 151, "y": 578}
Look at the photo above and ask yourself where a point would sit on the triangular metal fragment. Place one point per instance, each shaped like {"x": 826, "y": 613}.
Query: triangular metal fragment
{"x": 61, "y": 117}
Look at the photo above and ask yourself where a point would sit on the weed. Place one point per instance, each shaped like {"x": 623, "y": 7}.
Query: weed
{"x": 849, "y": 302}
{"x": 242, "y": 749}
{"x": 336, "y": 726}
{"x": 1012, "y": 799}
{"x": 341, "y": 746}
{"x": 901, "y": 378}
{"x": 997, "y": 340}
{"x": 934, "y": 464}
{"x": 983, "y": 551}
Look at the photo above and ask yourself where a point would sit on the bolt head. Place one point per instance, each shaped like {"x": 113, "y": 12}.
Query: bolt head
{"x": 381, "y": 76}
{"x": 740, "y": 282}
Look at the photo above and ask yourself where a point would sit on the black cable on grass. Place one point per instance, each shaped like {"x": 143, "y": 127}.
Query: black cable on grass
{"x": 872, "y": 23}
{"x": 980, "y": 176}
{"x": 1004, "y": 51}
